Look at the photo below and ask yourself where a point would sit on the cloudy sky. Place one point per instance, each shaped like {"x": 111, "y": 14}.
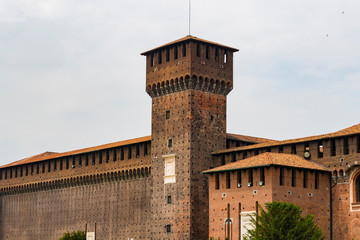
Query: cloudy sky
{"x": 71, "y": 74}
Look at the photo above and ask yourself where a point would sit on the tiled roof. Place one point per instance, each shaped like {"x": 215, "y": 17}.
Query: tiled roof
{"x": 248, "y": 138}
{"x": 52, "y": 155}
{"x": 188, "y": 38}
{"x": 270, "y": 159}
{"x": 345, "y": 132}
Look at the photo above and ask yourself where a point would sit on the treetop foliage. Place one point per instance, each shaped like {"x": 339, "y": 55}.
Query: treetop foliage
{"x": 79, "y": 235}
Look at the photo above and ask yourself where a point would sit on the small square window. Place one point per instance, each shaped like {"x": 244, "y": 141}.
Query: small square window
{"x": 167, "y": 115}
{"x": 168, "y": 199}
{"x": 169, "y": 142}
{"x": 168, "y": 228}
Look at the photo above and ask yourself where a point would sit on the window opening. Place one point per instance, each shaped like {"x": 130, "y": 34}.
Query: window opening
{"x": 250, "y": 177}
{"x": 217, "y": 181}
{"x": 152, "y": 60}
{"x": 159, "y": 57}
{"x": 49, "y": 166}
{"x": 169, "y": 142}
{"x": 32, "y": 169}
{"x": 176, "y": 52}
{"x": 207, "y": 52}
{"x": 167, "y": 114}
{"x": 167, "y": 55}
{"x": 268, "y": 150}
{"x": 256, "y": 152}
{"x": 73, "y": 162}
{"x": 184, "y": 50}
{"x": 333, "y": 147}
{"x": 225, "y": 56}
{"x": 227, "y": 144}
{"x": 239, "y": 178}
{"x": 10, "y": 170}
{"x": 281, "y": 149}
{"x": 198, "y": 50}
{"x": 93, "y": 159}
{"x": 87, "y": 160}
{"x": 262, "y": 177}
{"x": 26, "y": 171}
{"x": 233, "y": 157}
{"x": 80, "y": 161}
{"x": 316, "y": 180}
{"x": 228, "y": 224}
{"x": 137, "y": 151}
{"x": 122, "y": 154}
{"x": 222, "y": 159}
{"x": 55, "y": 165}
{"x": 129, "y": 152}
{"x": 346, "y": 146}
{"x": 293, "y": 149}
{"x": 61, "y": 164}
{"x": 305, "y": 179}
{"x": 293, "y": 177}
{"x": 358, "y": 188}
{"x": 245, "y": 154}
{"x": 320, "y": 149}
{"x": 107, "y": 156}
{"x": 168, "y": 199}
{"x": 100, "y": 157}
{"x": 168, "y": 228}
{"x": 228, "y": 180}
{"x": 281, "y": 176}
{"x": 5, "y": 173}
{"x": 67, "y": 163}
{"x": 216, "y": 54}
{"x": 16, "y": 172}
{"x": 21, "y": 171}
{"x": 114, "y": 155}
{"x": 37, "y": 168}
{"x": 145, "y": 149}
{"x": 0, "y": 174}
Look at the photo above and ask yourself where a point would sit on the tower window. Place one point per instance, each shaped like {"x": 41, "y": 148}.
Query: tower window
{"x": 168, "y": 199}
{"x": 281, "y": 176}
{"x": 216, "y": 54}
{"x": 55, "y": 165}
{"x": 320, "y": 149}
{"x": 176, "y": 52}
{"x": 225, "y": 57}
{"x": 222, "y": 159}
{"x": 316, "y": 180}
{"x": 262, "y": 176}
{"x": 87, "y": 160}
{"x": 198, "y": 50}
{"x": 122, "y": 154}
{"x": 207, "y": 52}
{"x": 137, "y": 151}
{"x": 49, "y": 166}
{"x": 67, "y": 164}
{"x": 239, "y": 178}
{"x": 184, "y": 50}
{"x": 168, "y": 228}
{"x": 129, "y": 152}
{"x": 107, "y": 156}
{"x": 43, "y": 169}
{"x": 167, "y": 55}
{"x": 93, "y": 159}
{"x": 100, "y": 158}
{"x": 170, "y": 143}
{"x": 305, "y": 179}
{"x": 145, "y": 149}
{"x": 256, "y": 152}
{"x": 159, "y": 57}
{"x": 357, "y": 182}
{"x": 21, "y": 171}
{"x": 333, "y": 147}
{"x": 61, "y": 164}
{"x": 80, "y": 161}
{"x": 346, "y": 146}
{"x": 250, "y": 177}
{"x": 167, "y": 114}
{"x": 228, "y": 180}
{"x": 114, "y": 155}
{"x": 73, "y": 162}
{"x": 217, "y": 181}
{"x": 268, "y": 150}
{"x": 293, "y": 177}
{"x": 152, "y": 60}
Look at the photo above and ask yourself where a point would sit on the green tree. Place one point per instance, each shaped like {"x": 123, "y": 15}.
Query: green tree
{"x": 283, "y": 221}
{"x": 79, "y": 235}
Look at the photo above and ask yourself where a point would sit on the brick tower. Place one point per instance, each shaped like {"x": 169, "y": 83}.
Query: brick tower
{"x": 188, "y": 81}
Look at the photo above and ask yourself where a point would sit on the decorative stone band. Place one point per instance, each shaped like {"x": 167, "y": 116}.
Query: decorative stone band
{"x": 182, "y": 84}
{"x": 128, "y": 175}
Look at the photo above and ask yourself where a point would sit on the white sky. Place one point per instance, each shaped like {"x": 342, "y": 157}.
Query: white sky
{"x": 71, "y": 74}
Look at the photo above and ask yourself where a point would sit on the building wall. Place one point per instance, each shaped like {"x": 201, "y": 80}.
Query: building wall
{"x": 119, "y": 205}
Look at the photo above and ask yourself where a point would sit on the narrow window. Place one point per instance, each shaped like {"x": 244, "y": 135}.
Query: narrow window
{"x": 145, "y": 149}
{"x": 167, "y": 115}
{"x": 184, "y": 50}
{"x": 168, "y": 228}
{"x": 346, "y": 146}
{"x": 5, "y": 173}
{"x": 281, "y": 176}
{"x": 159, "y": 57}
{"x": 100, "y": 157}
{"x": 43, "y": 168}
{"x": 358, "y": 143}
{"x": 21, "y": 171}
{"x": 129, "y": 152}
{"x": 169, "y": 142}
{"x": 306, "y": 147}
{"x": 316, "y": 180}
{"x": 262, "y": 177}
{"x": 0, "y": 174}
{"x": 305, "y": 179}
{"x": 107, "y": 156}
{"x": 320, "y": 149}
{"x": 168, "y": 199}
{"x": 207, "y": 52}
{"x": 227, "y": 143}
{"x": 61, "y": 164}
{"x": 73, "y": 162}
{"x": 80, "y": 161}
{"x": 281, "y": 149}
{"x": 217, "y": 181}
{"x": 137, "y": 151}
{"x": 198, "y": 50}
{"x": 93, "y": 158}
{"x": 250, "y": 177}
{"x": 32, "y": 169}
{"x": 10, "y": 170}
{"x": 222, "y": 159}
{"x": 67, "y": 163}
{"x": 225, "y": 56}
{"x": 122, "y": 154}
{"x": 333, "y": 147}
{"x": 293, "y": 149}
{"x": 26, "y": 171}
{"x": 293, "y": 177}
{"x": 87, "y": 159}
{"x": 16, "y": 172}
{"x": 233, "y": 157}
{"x": 167, "y": 55}
{"x": 55, "y": 165}
{"x": 37, "y": 168}
{"x": 152, "y": 60}
{"x": 357, "y": 182}
{"x": 176, "y": 52}
{"x": 238, "y": 178}
{"x": 114, "y": 154}
{"x": 245, "y": 155}
{"x": 49, "y": 166}
{"x": 228, "y": 180}
{"x": 216, "y": 54}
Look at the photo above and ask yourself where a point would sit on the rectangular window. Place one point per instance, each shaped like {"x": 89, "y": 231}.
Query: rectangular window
{"x": 222, "y": 159}
{"x": 167, "y": 55}
{"x": 358, "y": 143}
{"x": 16, "y": 172}
{"x": 61, "y": 164}
{"x": 250, "y": 177}
{"x": 159, "y": 57}
{"x": 216, "y": 54}
{"x": 37, "y": 168}
{"x": 10, "y": 170}
{"x": 80, "y": 161}
{"x": 122, "y": 154}
{"x": 107, "y": 159}
{"x": 93, "y": 158}
{"x": 145, "y": 149}
{"x": 225, "y": 57}
{"x": 43, "y": 168}
{"x": 73, "y": 161}
{"x": 238, "y": 173}
{"x": 316, "y": 180}
{"x": 67, "y": 163}
{"x": 184, "y": 50}
{"x": 32, "y": 169}
{"x": 262, "y": 177}
{"x": 167, "y": 114}
{"x": 244, "y": 155}
{"x": 346, "y": 145}
{"x": 293, "y": 177}
{"x": 151, "y": 60}
{"x": 333, "y": 147}
{"x": 55, "y": 165}
{"x": 198, "y": 50}
{"x": 170, "y": 143}
{"x": 233, "y": 156}
{"x": 114, "y": 155}
{"x": 217, "y": 181}
{"x": 207, "y": 52}
{"x": 100, "y": 157}
{"x": 137, "y": 151}
{"x": 228, "y": 180}
{"x": 49, "y": 166}
{"x": 305, "y": 179}
{"x": 293, "y": 149}
{"x": 281, "y": 149}
{"x": 5, "y": 173}
{"x": 320, "y": 149}
{"x": 87, "y": 159}
{"x": 176, "y": 52}
{"x": 129, "y": 152}
{"x": 168, "y": 199}
{"x": 26, "y": 171}
{"x": 21, "y": 171}
{"x": 168, "y": 228}
{"x": 0, "y": 174}
{"x": 281, "y": 176}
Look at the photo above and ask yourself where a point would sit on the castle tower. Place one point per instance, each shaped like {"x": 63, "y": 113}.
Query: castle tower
{"x": 188, "y": 81}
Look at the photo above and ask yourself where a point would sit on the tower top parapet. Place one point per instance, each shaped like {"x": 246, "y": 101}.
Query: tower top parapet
{"x": 189, "y": 63}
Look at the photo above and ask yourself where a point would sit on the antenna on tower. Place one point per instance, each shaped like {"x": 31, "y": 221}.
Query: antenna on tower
{"x": 189, "y": 17}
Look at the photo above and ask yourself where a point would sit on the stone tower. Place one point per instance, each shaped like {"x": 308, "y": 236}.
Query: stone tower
{"x": 188, "y": 81}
